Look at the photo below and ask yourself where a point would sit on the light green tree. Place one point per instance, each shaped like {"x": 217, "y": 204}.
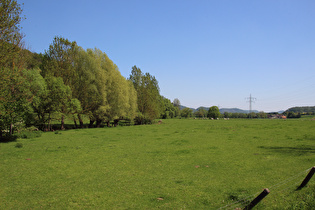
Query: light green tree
{"x": 109, "y": 95}
{"x": 87, "y": 82}
{"x": 51, "y": 97}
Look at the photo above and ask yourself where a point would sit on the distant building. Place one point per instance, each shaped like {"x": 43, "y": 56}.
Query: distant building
{"x": 277, "y": 116}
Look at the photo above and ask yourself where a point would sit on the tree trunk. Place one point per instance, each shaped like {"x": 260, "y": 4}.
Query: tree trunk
{"x": 11, "y": 129}
{"x": 98, "y": 123}
{"x": 108, "y": 123}
{"x": 62, "y": 122}
{"x": 49, "y": 123}
{"x": 81, "y": 121}
{"x": 75, "y": 122}
{"x": 91, "y": 123}
{"x": 116, "y": 123}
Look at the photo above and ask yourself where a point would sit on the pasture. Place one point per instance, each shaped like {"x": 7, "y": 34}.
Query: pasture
{"x": 192, "y": 164}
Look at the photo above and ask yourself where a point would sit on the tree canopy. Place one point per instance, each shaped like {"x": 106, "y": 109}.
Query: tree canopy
{"x": 10, "y": 35}
{"x": 214, "y": 112}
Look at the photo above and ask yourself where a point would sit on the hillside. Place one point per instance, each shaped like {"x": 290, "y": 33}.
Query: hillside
{"x": 236, "y": 110}
{"x": 222, "y": 110}
{"x": 301, "y": 109}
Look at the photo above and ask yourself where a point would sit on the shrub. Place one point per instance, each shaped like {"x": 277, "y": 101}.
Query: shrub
{"x": 29, "y": 134}
{"x": 57, "y": 132}
{"x": 142, "y": 120}
{"x": 19, "y": 145}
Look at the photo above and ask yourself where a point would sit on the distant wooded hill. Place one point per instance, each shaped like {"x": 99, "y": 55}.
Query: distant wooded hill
{"x": 222, "y": 110}
{"x": 301, "y": 109}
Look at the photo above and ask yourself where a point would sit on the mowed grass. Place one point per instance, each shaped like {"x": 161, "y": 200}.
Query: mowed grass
{"x": 193, "y": 164}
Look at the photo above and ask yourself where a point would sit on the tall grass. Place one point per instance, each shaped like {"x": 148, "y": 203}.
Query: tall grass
{"x": 194, "y": 164}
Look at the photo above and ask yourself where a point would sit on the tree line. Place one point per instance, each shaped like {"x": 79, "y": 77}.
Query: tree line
{"x": 67, "y": 80}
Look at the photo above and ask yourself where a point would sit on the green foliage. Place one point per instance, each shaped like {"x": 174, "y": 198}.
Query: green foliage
{"x": 213, "y": 112}
{"x": 59, "y": 60}
{"x": 200, "y": 113}
{"x": 14, "y": 97}
{"x": 176, "y": 102}
{"x": 292, "y": 114}
{"x": 148, "y": 93}
{"x": 168, "y": 109}
{"x": 18, "y": 145}
{"x": 10, "y": 36}
{"x": 304, "y": 109}
{"x": 142, "y": 120}
{"x": 50, "y": 95}
{"x": 29, "y": 134}
{"x": 186, "y": 112}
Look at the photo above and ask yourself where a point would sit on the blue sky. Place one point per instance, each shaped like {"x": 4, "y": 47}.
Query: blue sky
{"x": 203, "y": 52}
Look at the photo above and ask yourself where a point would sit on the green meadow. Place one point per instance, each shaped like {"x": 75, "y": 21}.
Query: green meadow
{"x": 179, "y": 164}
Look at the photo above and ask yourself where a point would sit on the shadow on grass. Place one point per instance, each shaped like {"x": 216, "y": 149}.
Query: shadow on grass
{"x": 299, "y": 150}
{"x": 8, "y": 138}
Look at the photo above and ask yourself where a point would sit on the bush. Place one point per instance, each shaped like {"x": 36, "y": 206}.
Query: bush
{"x": 19, "y": 145}
{"x": 142, "y": 120}
{"x": 29, "y": 134}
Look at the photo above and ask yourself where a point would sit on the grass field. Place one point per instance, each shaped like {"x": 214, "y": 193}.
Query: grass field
{"x": 192, "y": 164}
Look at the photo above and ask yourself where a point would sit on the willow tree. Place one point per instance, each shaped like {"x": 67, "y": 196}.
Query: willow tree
{"x": 105, "y": 95}
{"x": 85, "y": 87}
{"x": 118, "y": 97}
{"x": 117, "y": 93}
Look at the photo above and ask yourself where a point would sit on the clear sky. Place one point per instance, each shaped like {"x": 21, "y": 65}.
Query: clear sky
{"x": 203, "y": 52}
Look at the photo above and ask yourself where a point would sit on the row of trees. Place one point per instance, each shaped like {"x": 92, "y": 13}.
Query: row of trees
{"x": 214, "y": 112}
{"x": 74, "y": 81}
{"x": 69, "y": 81}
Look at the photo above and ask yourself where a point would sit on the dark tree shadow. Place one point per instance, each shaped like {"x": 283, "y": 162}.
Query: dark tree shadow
{"x": 8, "y": 138}
{"x": 299, "y": 150}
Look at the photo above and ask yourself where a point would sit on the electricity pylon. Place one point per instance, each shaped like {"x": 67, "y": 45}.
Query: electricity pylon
{"x": 250, "y": 100}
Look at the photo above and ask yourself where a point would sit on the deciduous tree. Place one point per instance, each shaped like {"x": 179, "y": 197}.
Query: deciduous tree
{"x": 186, "y": 112}
{"x": 10, "y": 35}
{"x": 214, "y": 112}
{"x": 148, "y": 93}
